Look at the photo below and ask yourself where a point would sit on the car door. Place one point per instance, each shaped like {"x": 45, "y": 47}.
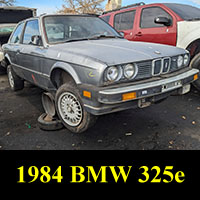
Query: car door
{"x": 149, "y": 31}
{"x": 32, "y": 55}
{"x": 124, "y": 21}
{"x": 13, "y": 48}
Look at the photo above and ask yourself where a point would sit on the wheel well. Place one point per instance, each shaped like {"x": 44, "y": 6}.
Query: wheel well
{"x": 59, "y": 77}
{"x": 194, "y": 48}
{"x": 6, "y": 62}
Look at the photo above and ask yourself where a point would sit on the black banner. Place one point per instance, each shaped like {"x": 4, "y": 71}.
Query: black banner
{"x": 100, "y": 168}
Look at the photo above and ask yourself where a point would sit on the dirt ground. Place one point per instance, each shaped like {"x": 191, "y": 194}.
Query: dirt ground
{"x": 172, "y": 124}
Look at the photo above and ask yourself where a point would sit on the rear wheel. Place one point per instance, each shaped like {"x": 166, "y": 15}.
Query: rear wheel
{"x": 15, "y": 82}
{"x": 195, "y": 63}
{"x": 71, "y": 111}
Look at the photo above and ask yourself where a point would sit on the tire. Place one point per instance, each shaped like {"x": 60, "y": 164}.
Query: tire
{"x": 195, "y": 63}
{"x": 15, "y": 82}
{"x": 53, "y": 125}
{"x": 72, "y": 112}
{"x": 2, "y": 70}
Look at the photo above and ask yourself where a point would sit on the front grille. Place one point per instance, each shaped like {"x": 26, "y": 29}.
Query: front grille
{"x": 144, "y": 70}
{"x": 147, "y": 69}
{"x": 161, "y": 66}
{"x": 166, "y": 65}
{"x": 156, "y": 67}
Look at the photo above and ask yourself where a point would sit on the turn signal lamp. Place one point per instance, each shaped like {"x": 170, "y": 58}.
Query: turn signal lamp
{"x": 129, "y": 96}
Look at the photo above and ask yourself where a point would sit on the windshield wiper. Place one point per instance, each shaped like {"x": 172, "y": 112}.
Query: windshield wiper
{"x": 74, "y": 40}
{"x": 95, "y": 37}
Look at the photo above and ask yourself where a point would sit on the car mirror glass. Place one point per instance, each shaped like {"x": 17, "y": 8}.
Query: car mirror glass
{"x": 36, "y": 40}
{"x": 163, "y": 20}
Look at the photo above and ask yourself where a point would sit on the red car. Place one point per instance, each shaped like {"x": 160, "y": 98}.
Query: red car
{"x": 165, "y": 23}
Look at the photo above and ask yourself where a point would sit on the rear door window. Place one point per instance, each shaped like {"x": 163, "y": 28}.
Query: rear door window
{"x": 124, "y": 21}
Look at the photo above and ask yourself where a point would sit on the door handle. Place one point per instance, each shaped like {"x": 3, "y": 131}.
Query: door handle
{"x": 36, "y": 53}
{"x": 138, "y": 34}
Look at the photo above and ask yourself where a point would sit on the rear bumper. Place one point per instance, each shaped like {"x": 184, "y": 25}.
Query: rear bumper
{"x": 111, "y": 99}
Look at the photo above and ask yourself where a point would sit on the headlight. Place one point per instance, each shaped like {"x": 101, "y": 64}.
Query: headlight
{"x": 129, "y": 71}
{"x": 180, "y": 61}
{"x": 186, "y": 59}
{"x": 112, "y": 73}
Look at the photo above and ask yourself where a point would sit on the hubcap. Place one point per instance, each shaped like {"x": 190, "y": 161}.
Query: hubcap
{"x": 10, "y": 78}
{"x": 70, "y": 109}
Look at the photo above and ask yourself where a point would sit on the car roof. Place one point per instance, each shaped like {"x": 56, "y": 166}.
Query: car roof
{"x": 139, "y": 5}
{"x": 52, "y": 15}
{"x": 70, "y": 14}
{"x": 125, "y": 7}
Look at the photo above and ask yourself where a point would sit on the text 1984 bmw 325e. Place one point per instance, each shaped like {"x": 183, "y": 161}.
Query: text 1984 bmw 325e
{"x": 91, "y": 69}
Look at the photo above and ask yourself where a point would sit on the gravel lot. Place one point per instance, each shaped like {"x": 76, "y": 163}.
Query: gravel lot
{"x": 172, "y": 124}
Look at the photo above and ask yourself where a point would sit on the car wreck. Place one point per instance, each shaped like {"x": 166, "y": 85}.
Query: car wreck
{"x": 91, "y": 69}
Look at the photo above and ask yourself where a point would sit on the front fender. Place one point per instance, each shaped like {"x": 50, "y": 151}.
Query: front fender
{"x": 67, "y": 68}
{"x": 6, "y": 56}
{"x": 187, "y": 33}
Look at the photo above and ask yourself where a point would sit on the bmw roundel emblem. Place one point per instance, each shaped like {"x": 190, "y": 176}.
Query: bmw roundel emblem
{"x": 157, "y": 52}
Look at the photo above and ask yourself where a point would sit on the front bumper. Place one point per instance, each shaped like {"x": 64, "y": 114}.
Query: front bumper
{"x": 115, "y": 98}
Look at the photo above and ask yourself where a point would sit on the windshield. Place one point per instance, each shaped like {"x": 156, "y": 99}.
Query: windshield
{"x": 186, "y": 12}
{"x": 71, "y": 28}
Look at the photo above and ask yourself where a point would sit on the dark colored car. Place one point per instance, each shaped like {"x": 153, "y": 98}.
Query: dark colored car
{"x": 90, "y": 69}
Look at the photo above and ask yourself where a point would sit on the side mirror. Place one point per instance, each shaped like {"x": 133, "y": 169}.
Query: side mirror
{"x": 163, "y": 20}
{"x": 121, "y": 34}
{"x": 36, "y": 40}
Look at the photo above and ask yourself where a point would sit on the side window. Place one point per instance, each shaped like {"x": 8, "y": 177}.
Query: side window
{"x": 106, "y": 18}
{"x": 17, "y": 34}
{"x": 124, "y": 21}
{"x": 149, "y": 14}
{"x": 31, "y": 29}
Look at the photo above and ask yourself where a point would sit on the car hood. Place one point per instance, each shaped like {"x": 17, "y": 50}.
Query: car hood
{"x": 115, "y": 51}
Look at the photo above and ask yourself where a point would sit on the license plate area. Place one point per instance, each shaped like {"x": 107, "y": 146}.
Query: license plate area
{"x": 143, "y": 103}
{"x": 171, "y": 86}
